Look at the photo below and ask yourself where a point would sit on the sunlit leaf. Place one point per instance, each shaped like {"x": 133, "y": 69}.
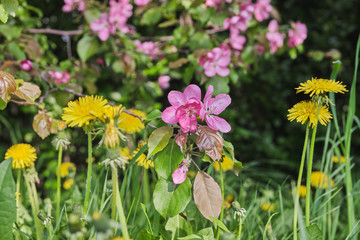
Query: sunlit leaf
{"x": 7, "y": 87}
{"x": 211, "y": 141}
{"x": 42, "y": 124}
{"x": 168, "y": 160}
{"x": 207, "y": 195}
{"x": 158, "y": 140}
{"x": 86, "y": 47}
{"x": 28, "y": 91}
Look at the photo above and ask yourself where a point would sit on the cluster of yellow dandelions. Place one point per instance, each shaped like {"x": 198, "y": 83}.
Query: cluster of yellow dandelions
{"x": 312, "y": 112}
{"x": 142, "y": 160}
{"x": 86, "y": 110}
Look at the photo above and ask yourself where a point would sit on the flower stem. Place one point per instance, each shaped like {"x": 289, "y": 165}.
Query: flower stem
{"x": 308, "y": 178}
{"x": 222, "y": 205}
{"x": 146, "y": 188}
{"x": 113, "y": 207}
{"x": 119, "y": 207}
{"x": 58, "y": 193}
{"x": 240, "y": 228}
{"x": 88, "y": 177}
{"x": 299, "y": 182}
{"x": 18, "y": 181}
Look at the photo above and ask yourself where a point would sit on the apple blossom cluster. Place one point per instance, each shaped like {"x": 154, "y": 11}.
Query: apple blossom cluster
{"x": 71, "y": 5}
{"x": 149, "y": 48}
{"x": 187, "y": 107}
{"x": 217, "y": 61}
{"x": 276, "y": 39}
{"x": 297, "y": 34}
{"x": 120, "y": 11}
{"x": 60, "y": 77}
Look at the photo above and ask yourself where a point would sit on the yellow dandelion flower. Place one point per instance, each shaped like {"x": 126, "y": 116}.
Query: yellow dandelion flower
{"x": 141, "y": 160}
{"x": 302, "y": 191}
{"x": 336, "y": 159}
{"x": 125, "y": 152}
{"x": 228, "y": 200}
{"x": 23, "y": 155}
{"x": 113, "y": 112}
{"x": 64, "y": 168}
{"x": 112, "y": 139}
{"x": 268, "y": 207}
{"x": 68, "y": 183}
{"x": 320, "y": 86}
{"x": 84, "y": 110}
{"x": 226, "y": 164}
{"x": 321, "y": 180}
{"x": 131, "y": 124}
{"x": 306, "y": 111}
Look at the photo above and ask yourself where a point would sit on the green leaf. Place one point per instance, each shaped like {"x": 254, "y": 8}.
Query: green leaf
{"x": 220, "y": 84}
{"x": 16, "y": 51}
{"x": 145, "y": 235}
{"x": 154, "y": 114}
{"x": 158, "y": 140}
{"x": 7, "y": 200}
{"x": 170, "y": 199}
{"x": 203, "y": 234}
{"x": 200, "y": 40}
{"x": 3, "y": 14}
{"x": 168, "y": 160}
{"x": 230, "y": 148}
{"x": 10, "y": 6}
{"x": 10, "y": 32}
{"x": 178, "y": 225}
{"x": 314, "y": 233}
{"x": 220, "y": 224}
{"x": 2, "y": 104}
{"x": 151, "y": 16}
{"x": 86, "y": 47}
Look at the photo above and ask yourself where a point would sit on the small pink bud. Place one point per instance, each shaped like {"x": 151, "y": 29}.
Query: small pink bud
{"x": 179, "y": 175}
{"x": 164, "y": 82}
{"x": 26, "y": 65}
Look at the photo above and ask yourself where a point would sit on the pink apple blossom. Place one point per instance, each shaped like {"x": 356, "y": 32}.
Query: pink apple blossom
{"x": 142, "y": 2}
{"x": 149, "y": 48}
{"x": 179, "y": 175}
{"x": 217, "y": 61}
{"x": 239, "y": 22}
{"x": 297, "y": 35}
{"x": 212, "y": 3}
{"x": 71, "y": 5}
{"x": 164, "y": 82}
{"x": 237, "y": 41}
{"x": 185, "y": 107}
{"x": 103, "y": 27}
{"x": 60, "y": 77}
{"x": 213, "y": 107}
{"x": 26, "y": 65}
{"x": 262, "y": 10}
{"x": 120, "y": 12}
{"x": 276, "y": 39}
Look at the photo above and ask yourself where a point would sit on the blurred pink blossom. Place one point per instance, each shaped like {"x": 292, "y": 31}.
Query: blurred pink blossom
{"x": 262, "y": 10}
{"x": 216, "y": 61}
{"x": 184, "y": 109}
{"x": 164, "y": 82}
{"x": 71, "y": 5}
{"x": 212, "y": 3}
{"x": 142, "y": 2}
{"x": 149, "y": 48}
{"x": 60, "y": 77}
{"x": 26, "y": 65}
{"x": 276, "y": 39}
{"x": 297, "y": 35}
{"x": 213, "y": 107}
{"x": 237, "y": 41}
{"x": 120, "y": 11}
{"x": 102, "y": 27}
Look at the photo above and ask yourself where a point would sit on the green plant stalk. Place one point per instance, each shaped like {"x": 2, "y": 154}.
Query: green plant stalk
{"x": 120, "y": 209}
{"x": 146, "y": 187}
{"x": 222, "y": 205}
{"x": 34, "y": 207}
{"x": 297, "y": 197}
{"x": 240, "y": 228}
{"x": 18, "y": 181}
{"x": 113, "y": 206}
{"x": 88, "y": 177}
{"x": 58, "y": 193}
{"x": 308, "y": 176}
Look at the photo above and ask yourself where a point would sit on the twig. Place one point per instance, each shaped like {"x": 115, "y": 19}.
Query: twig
{"x": 42, "y": 98}
{"x": 55, "y": 31}
{"x": 26, "y": 103}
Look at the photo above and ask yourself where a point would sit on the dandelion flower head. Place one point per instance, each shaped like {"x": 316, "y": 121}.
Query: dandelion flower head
{"x": 84, "y": 110}
{"x": 319, "y": 86}
{"x": 68, "y": 183}
{"x": 141, "y": 160}
{"x": 111, "y": 135}
{"x": 226, "y": 164}
{"x": 336, "y": 159}
{"x": 302, "y": 191}
{"x": 64, "y": 168}
{"x": 306, "y": 111}
{"x": 125, "y": 152}
{"x": 131, "y": 124}
{"x": 268, "y": 207}
{"x": 23, "y": 155}
{"x": 321, "y": 180}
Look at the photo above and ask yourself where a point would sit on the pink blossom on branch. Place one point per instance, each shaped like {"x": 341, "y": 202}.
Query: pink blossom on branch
{"x": 262, "y": 10}
{"x": 237, "y": 41}
{"x": 26, "y": 65}
{"x": 71, "y": 5}
{"x": 149, "y": 48}
{"x": 217, "y": 61}
{"x": 184, "y": 109}
{"x": 276, "y": 39}
{"x": 120, "y": 12}
{"x": 164, "y": 82}
{"x": 179, "y": 175}
{"x": 142, "y": 2}
{"x": 102, "y": 27}
{"x": 60, "y": 77}
{"x": 297, "y": 34}
{"x": 213, "y": 107}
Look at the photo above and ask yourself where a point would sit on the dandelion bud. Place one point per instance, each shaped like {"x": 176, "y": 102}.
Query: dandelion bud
{"x": 111, "y": 136}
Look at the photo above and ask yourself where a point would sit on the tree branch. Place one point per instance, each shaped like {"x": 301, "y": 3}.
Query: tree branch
{"x": 55, "y": 31}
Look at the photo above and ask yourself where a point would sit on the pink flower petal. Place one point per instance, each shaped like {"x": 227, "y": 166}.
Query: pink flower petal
{"x": 217, "y": 123}
{"x": 179, "y": 175}
{"x": 219, "y": 103}
{"x": 222, "y": 71}
{"x": 176, "y": 98}
{"x": 192, "y": 91}
{"x": 168, "y": 115}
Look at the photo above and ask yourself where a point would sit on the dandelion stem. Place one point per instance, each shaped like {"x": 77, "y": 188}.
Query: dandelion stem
{"x": 88, "y": 178}
{"x": 302, "y": 163}
{"x": 18, "y": 181}
{"x": 113, "y": 207}
{"x": 58, "y": 194}
{"x": 119, "y": 207}
{"x": 146, "y": 188}
{"x": 240, "y": 228}
{"x": 222, "y": 205}
{"x": 309, "y": 170}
